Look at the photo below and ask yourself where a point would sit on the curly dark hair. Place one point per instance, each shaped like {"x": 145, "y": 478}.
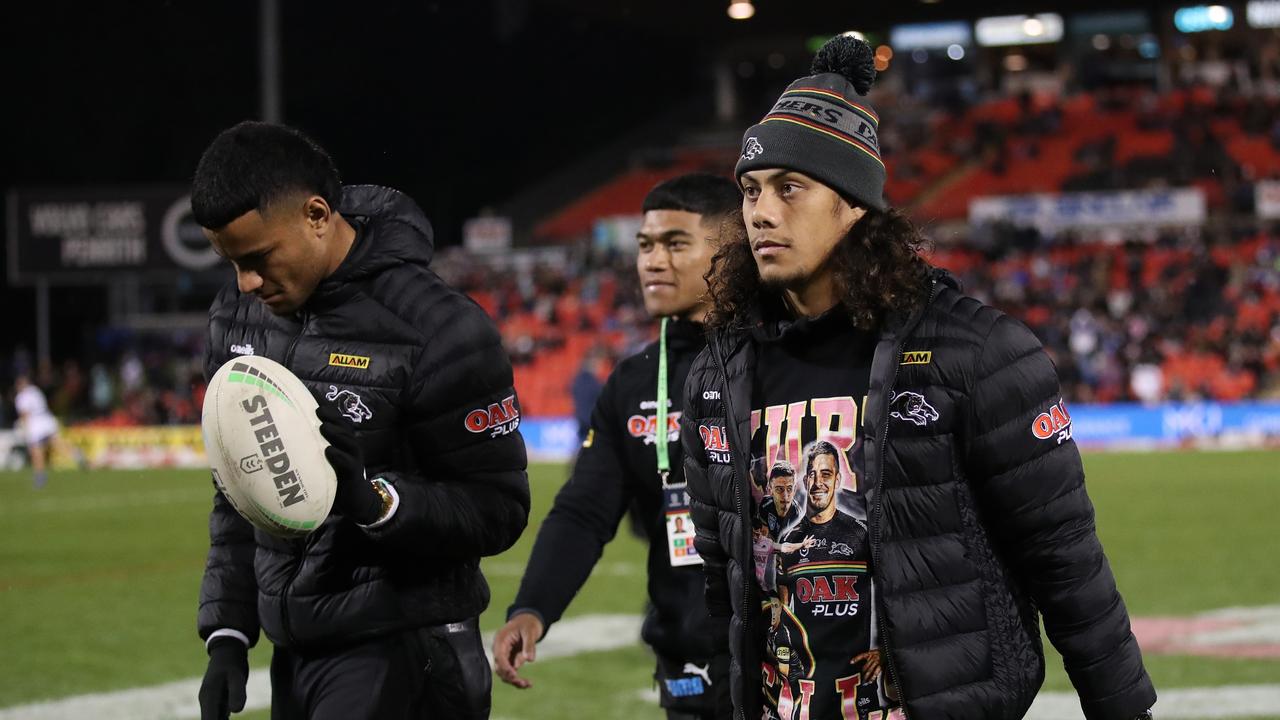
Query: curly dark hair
{"x": 878, "y": 266}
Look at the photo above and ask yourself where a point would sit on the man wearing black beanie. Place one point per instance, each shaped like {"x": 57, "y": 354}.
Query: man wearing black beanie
{"x": 942, "y": 497}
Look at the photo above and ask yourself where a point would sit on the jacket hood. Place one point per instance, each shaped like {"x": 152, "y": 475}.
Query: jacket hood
{"x": 390, "y": 229}
{"x": 789, "y": 328}
{"x": 772, "y": 321}
{"x": 685, "y": 335}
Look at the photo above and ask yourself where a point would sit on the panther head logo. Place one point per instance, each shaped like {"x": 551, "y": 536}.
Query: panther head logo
{"x": 349, "y": 404}
{"x": 911, "y": 407}
{"x": 752, "y": 149}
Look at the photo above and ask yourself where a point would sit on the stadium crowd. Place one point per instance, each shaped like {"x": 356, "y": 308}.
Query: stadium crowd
{"x": 1180, "y": 316}
{"x": 1218, "y": 139}
{"x": 132, "y": 381}
{"x": 1140, "y": 315}
{"x": 1183, "y": 316}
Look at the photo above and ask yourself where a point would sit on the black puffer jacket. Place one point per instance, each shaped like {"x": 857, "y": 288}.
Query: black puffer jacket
{"x": 978, "y": 519}
{"x": 434, "y": 357}
{"x": 618, "y": 466}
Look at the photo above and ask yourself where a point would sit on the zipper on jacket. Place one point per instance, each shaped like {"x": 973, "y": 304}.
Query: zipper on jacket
{"x": 875, "y": 544}
{"x": 284, "y": 595}
{"x": 737, "y": 498}
{"x": 878, "y": 511}
{"x": 293, "y": 574}
{"x": 293, "y": 344}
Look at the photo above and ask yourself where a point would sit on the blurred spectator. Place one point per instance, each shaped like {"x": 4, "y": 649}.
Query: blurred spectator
{"x": 586, "y": 388}
{"x": 101, "y": 393}
{"x": 1189, "y": 315}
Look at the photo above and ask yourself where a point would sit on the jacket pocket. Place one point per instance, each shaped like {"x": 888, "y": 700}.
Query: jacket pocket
{"x": 459, "y": 680}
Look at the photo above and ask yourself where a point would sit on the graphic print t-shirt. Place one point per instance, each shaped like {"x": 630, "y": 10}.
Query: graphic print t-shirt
{"x": 821, "y": 656}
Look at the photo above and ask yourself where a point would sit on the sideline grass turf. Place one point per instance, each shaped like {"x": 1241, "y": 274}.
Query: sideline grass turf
{"x": 99, "y": 574}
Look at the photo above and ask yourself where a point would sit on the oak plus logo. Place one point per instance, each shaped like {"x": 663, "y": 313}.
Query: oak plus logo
{"x": 645, "y": 427}
{"x": 1054, "y": 422}
{"x": 498, "y": 419}
{"x": 715, "y": 438}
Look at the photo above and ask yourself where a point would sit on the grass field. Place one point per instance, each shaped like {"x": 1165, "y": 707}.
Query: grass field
{"x": 99, "y": 575}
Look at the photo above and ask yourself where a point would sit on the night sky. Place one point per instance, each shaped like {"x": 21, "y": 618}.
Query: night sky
{"x": 460, "y": 104}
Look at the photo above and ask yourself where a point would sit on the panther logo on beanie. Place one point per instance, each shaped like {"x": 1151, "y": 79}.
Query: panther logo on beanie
{"x": 822, "y": 127}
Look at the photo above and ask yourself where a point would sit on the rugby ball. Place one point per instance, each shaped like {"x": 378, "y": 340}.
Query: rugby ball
{"x": 265, "y": 450}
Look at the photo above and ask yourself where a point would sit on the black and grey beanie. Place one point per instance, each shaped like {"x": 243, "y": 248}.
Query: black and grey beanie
{"x": 823, "y": 128}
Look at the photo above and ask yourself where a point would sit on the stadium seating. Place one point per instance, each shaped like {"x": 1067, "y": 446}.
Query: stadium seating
{"x": 1198, "y": 311}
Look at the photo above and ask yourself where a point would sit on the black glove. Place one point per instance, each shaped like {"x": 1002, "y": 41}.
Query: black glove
{"x": 222, "y": 691}
{"x": 355, "y": 497}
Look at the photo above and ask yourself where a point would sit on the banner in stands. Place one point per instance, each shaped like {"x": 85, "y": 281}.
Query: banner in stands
{"x": 140, "y": 447}
{"x": 1263, "y": 13}
{"x": 555, "y": 439}
{"x": 930, "y": 36}
{"x": 1050, "y": 212}
{"x": 616, "y": 232}
{"x": 1018, "y": 29}
{"x": 550, "y": 439}
{"x": 181, "y": 446}
{"x": 10, "y": 457}
{"x": 487, "y": 234}
{"x": 1245, "y": 424}
{"x": 1266, "y": 198}
{"x": 1097, "y": 427}
{"x": 75, "y": 234}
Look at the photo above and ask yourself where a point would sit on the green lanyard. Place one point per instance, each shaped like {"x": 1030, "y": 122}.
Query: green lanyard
{"x": 664, "y": 461}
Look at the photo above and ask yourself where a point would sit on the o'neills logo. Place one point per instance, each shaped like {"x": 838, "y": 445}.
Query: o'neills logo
{"x": 1056, "y": 421}
{"x": 358, "y": 362}
{"x": 498, "y": 419}
{"x": 274, "y": 458}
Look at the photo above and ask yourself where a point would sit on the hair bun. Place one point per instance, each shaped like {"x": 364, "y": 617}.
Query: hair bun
{"x": 848, "y": 56}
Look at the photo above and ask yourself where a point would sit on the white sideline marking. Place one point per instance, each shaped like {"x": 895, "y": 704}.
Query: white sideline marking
{"x": 589, "y": 633}
{"x": 596, "y": 633}
{"x": 1264, "y": 627}
{"x": 169, "y": 701}
{"x": 177, "y": 700}
{"x": 1227, "y": 701}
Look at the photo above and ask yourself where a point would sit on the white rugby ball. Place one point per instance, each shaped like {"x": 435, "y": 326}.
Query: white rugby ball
{"x": 265, "y": 449}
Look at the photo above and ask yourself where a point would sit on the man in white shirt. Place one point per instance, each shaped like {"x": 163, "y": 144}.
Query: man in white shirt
{"x": 38, "y": 426}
